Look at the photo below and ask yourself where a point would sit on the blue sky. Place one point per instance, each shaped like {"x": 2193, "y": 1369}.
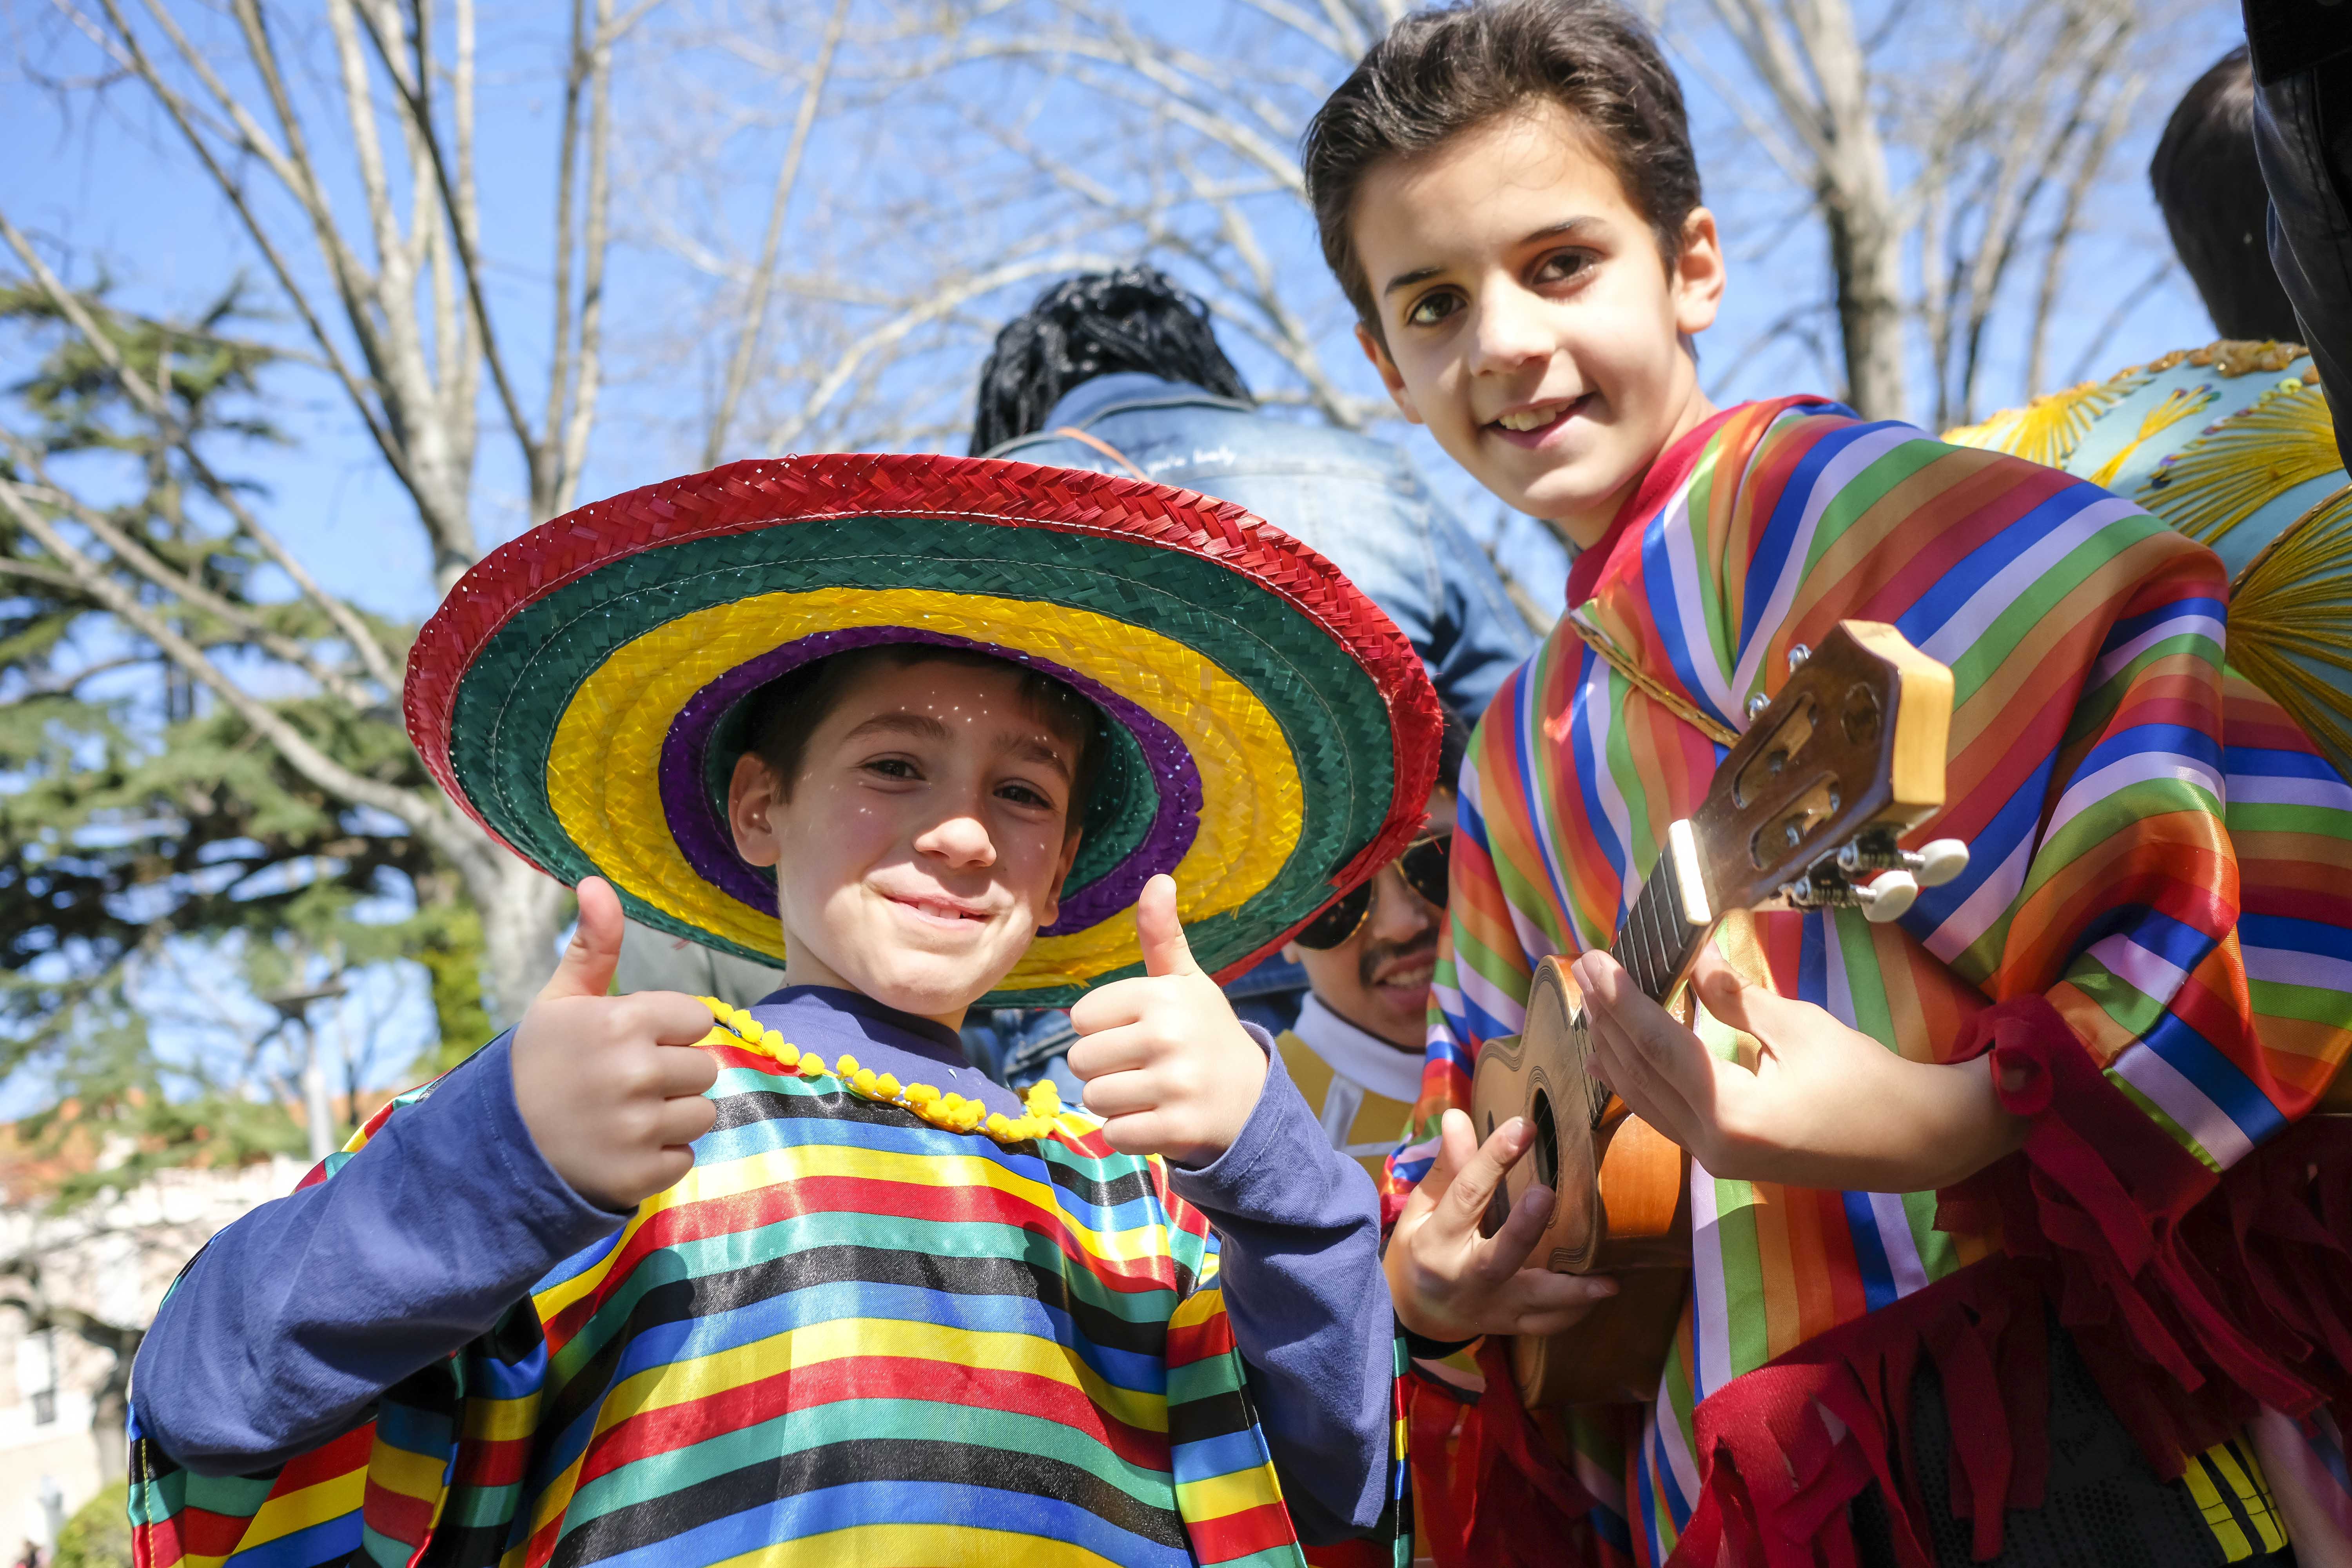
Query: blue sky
{"x": 889, "y": 197}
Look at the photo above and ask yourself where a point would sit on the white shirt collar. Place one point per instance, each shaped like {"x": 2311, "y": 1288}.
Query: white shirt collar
{"x": 1385, "y": 1069}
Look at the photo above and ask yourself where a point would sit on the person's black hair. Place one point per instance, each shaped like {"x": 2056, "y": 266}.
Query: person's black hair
{"x": 2210, "y": 187}
{"x": 1095, "y": 324}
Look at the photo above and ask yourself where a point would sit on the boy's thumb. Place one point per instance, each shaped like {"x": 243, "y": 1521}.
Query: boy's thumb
{"x": 1165, "y": 950}
{"x": 589, "y": 959}
{"x": 1726, "y": 992}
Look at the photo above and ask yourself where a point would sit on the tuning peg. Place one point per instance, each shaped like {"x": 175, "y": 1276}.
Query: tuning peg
{"x": 1757, "y": 704}
{"x": 1797, "y": 654}
{"x": 1888, "y": 898}
{"x": 1938, "y": 861}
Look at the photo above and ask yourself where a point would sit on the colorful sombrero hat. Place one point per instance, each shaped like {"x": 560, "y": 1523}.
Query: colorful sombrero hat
{"x": 1273, "y": 736}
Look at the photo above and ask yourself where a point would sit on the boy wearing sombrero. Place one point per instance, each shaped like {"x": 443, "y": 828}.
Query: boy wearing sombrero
{"x": 928, "y": 732}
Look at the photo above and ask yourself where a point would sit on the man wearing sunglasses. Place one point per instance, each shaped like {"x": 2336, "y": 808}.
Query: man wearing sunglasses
{"x": 1354, "y": 1052}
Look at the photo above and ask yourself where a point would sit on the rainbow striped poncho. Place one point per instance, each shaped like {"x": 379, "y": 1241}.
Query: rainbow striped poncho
{"x": 2154, "y": 932}
{"x": 862, "y": 1331}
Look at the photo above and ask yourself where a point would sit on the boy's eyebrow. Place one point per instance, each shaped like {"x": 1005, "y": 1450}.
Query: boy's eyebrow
{"x": 1549, "y": 231}
{"x": 1407, "y": 279}
{"x": 1032, "y": 748}
{"x": 922, "y": 726}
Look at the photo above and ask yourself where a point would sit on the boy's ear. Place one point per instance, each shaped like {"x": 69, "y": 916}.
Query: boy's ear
{"x": 1290, "y": 953}
{"x": 1053, "y": 909}
{"x": 1389, "y": 377}
{"x": 1698, "y": 274}
{"x": 752, "y": 799}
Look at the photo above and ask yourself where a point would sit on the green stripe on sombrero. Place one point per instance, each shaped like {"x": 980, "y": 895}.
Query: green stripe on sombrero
{"x": 513, "y": 694}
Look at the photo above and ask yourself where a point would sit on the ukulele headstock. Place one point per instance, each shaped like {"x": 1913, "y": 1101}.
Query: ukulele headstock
{"x": 1849, "y": 755}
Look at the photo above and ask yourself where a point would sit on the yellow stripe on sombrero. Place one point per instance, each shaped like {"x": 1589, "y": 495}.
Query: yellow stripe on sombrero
{"x": 604, "y": 768}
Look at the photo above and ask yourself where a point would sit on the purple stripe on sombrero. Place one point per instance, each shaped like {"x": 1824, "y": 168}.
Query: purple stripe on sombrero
{"x": 703, "y": 839}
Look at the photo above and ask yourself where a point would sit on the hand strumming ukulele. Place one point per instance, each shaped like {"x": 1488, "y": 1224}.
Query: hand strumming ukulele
{"x": 1847, "y": 757}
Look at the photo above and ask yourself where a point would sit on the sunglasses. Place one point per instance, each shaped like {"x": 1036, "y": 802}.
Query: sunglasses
{"x": 1424, "y": 866}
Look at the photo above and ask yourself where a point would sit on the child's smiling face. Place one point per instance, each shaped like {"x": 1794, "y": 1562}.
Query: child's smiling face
{"x": 1530, "y": 322}
{"x": 921, "y": 846}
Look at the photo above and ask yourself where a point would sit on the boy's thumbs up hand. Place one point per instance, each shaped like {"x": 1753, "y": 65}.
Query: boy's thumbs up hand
{"x": 1167, "y": 1066}
{"x": 610, "y": 1087}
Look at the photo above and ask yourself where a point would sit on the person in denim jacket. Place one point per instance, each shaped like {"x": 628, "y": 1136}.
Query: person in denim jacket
{"x": 1120, "y": 372}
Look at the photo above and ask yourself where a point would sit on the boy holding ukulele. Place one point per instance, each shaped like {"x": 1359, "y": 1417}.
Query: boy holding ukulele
{"x": 2004, "y": 1222}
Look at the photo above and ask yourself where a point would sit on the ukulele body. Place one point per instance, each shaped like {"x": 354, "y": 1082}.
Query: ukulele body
{"x": 1804, "y": 812}
{"x": 1621, "y": 1206}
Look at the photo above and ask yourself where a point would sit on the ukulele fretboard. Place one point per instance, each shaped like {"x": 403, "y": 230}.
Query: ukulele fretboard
{"x": 1660, "y": 934}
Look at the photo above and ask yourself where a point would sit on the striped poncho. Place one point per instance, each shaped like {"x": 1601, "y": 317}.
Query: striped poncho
{"x": 862, "y": 1331}
{"x": 2154, "y": 932}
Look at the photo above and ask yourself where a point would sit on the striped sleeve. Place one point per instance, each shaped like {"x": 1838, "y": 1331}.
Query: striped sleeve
{"x": 372, "y": 1495}
{"x": 2146, "y": 832}
{"x": 2154, "y": 907}
{"x": 2105, "y": 769}
{"x": 2162, "y": 957}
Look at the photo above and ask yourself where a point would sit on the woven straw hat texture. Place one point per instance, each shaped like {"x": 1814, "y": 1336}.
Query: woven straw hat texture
{"x": 1272, "y": 735}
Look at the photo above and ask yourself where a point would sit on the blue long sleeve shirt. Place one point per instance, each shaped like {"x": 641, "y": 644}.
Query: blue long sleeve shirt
{"x": 292, "y": 1322}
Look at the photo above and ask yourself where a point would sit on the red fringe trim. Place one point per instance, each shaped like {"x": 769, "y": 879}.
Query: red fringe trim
{"x": 2278, "y": 1243}
{"x": 2192, "y": 1298}
{"x": 2100, "y": 1192}
{"x": 1487, "y": 1492}
{"x": 1786, "y": 1448}
{"x": 2196, "y": 1311}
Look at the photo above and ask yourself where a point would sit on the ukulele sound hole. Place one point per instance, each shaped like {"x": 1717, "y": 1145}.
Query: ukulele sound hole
{"x": 1546, "y": 1153}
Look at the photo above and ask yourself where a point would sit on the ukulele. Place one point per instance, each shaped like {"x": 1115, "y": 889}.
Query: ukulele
{"x": 1803, "y": 812}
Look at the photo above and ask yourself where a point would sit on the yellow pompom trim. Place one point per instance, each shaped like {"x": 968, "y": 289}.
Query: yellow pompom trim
{"x": 952, "y": 1111}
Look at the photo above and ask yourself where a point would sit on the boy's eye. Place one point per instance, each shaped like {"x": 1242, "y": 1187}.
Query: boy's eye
{"x": 1562, "y": 264}
{"x": 1023, "y": 795}
{"x": 1431, "y": 309}
{"x": 893, "y": 767}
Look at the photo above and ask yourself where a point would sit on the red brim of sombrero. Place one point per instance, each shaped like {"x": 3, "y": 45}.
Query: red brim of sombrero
{"x": 1272, "y": 736}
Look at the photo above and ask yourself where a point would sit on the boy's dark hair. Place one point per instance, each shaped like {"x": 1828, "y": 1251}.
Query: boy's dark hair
{"x": 2211, "y": 188}
{"x": 1441, "y": 73}
{"x": 1094, "y": 324}
{"x": 783, "y": 714}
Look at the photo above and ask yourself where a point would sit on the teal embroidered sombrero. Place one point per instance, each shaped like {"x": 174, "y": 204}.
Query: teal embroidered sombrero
{"x": 1272, "y": 736}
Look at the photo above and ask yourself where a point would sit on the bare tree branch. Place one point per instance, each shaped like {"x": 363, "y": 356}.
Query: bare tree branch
{"x": 355, "y": 631}
{"x": 2088, "y": 169}
{"x": 572, "y": 455}
{"x": 786, "y": 435}
{"x": 755, "y": 302}
{"x": 139, "y": 559}
{"x": 252, "y": 140}
{"x": 430, "y": 817}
